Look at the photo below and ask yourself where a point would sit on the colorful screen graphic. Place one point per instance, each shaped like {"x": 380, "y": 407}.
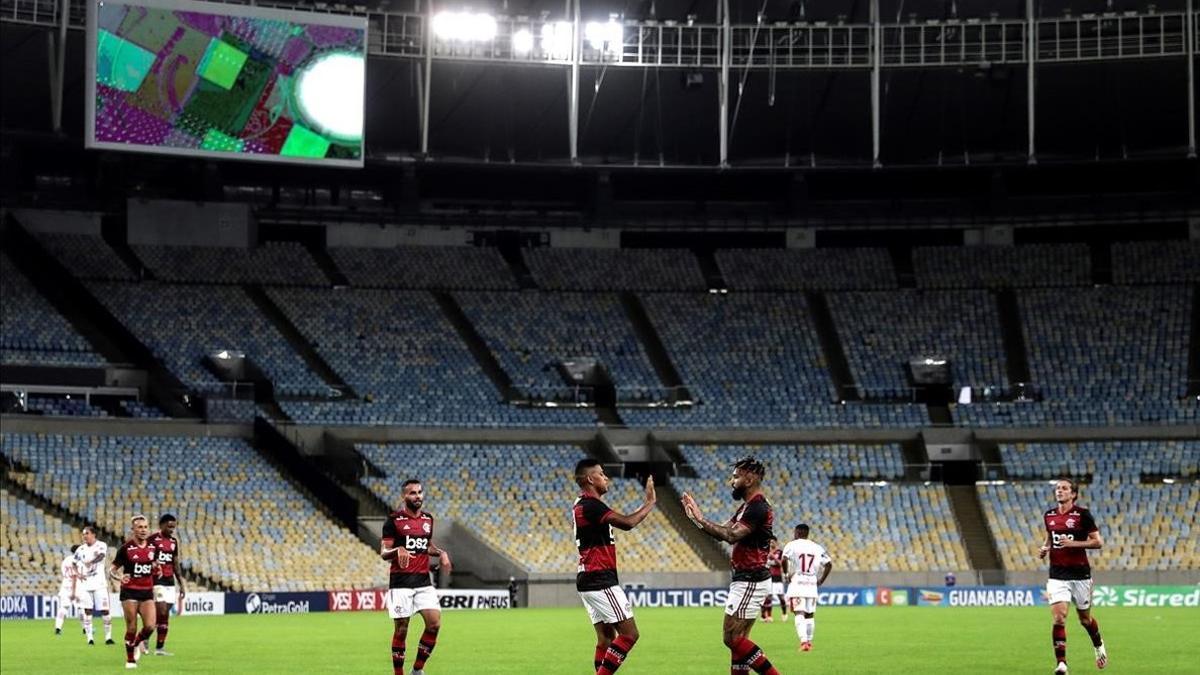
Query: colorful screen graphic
{"x": 226, "y": 81}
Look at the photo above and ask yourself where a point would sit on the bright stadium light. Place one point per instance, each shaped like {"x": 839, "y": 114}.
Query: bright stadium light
{"x": 522, "y": 41}
{"x": 329, "y": 92}
{"x": 464, "y": 26}
{"x": 606, "y": 36}
{"x": 557, "y": 40}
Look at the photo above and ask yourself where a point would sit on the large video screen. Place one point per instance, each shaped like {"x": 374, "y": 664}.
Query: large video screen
{"x": 226, "y": 81}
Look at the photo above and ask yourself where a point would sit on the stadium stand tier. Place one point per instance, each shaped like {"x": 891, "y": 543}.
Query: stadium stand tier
{"x": 283, "y": 263}
{"x": 32, "y": 546}
{"x": 1023, "y": 266}
{"x": 183, "y": 324}
{"x": 881, "y": 526}
{"x": 615, "y": 269}
{"x": 241, "y": 522}
{"x": 1146, "y": 525}
{"x": 404, "y": 359}
{"x": 424, "y": 267}
{"x": 86, "y": 256}
{"x": 772, "y": 269}
{"x": 32, "y": 332}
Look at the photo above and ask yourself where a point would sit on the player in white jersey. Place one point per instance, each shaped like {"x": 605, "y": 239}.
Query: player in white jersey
{"x": 68, "y": 590}
{"x": 809, "y": 565}
{"x": 94, "y": 586}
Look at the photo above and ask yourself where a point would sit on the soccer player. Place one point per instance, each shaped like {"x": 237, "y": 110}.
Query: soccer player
{"x": 811, "y": 565}
{"x": 135, "y": 566}
{"x": 750, "y": 533}
{"x": 68, "y": 590}
{"x": 1070, "y": 532}
{"x": 408, "y": 543}
{"x": 94, "y": 591}
{"x": 166, "y": 583}
{"x": 596, "y": 580}
{"x": 775, "y": 565}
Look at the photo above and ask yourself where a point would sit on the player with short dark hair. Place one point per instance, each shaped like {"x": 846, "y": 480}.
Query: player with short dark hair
{"x": 596, "y": 578}
{"x": 810, "y": 565}
{"x": 93, "y": 587}
{"x": 1070, "y": 532}
{"x": 750, "y": 533}
{"x": 408, "y": 542}
{"x": 135, "y": 566}
{"x": 169, "y": 588}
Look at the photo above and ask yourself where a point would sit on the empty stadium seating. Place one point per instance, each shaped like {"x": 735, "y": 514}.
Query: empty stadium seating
{"x": 881, "y": 331}
{"x": 1002, "y": 266}
{"x": 529, "y": 332}
{"x": 241, "y": 522}
{"x": 1146, "y": 526}
{"x": 63, "y": 407}
{"x": 615, "y": 269}
{"x": 427, "y": 267}
{"x": 752, "y": 360}
{"x": 397, "y": 351}
{"x": 1109, "y": 354}
{"x": 807, "y": 269}
{"x": 284, "y": 263}
{"x": 518, "y": 499}
{"x": 886, "y": 526}
{"x": 184, "y": 324}
{"x": 32, "y": 331}
{"x": 86, "y": 256}
{"x": 1141, "y": 262}
{"x": 32, "y": 546}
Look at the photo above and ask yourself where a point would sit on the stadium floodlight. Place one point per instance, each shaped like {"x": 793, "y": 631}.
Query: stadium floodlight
{"x": 557, "y": 39}
{"x": 522, "y": 41}
{"x": 608, "y": 36}
{"x": 464, "y": 26}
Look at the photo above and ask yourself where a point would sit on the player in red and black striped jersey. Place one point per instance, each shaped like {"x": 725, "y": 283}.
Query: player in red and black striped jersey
{"x": 408, "y": 542}
{"x": 750, "y": 533}
{"x": 775, "y": 566}
{"x": 169, "y": 588}
{"x": 596, "y": 578}
{"x": 135, "y": 565}
{"x": 1070, "y": 532}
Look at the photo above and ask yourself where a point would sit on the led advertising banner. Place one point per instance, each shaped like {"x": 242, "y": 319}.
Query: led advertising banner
{"x": 225, "y": 81}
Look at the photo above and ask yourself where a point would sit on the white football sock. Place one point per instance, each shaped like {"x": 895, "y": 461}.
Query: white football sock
{"x": 88, "y": 627}
{"x": 107, "y": 626}
{"x": 800, "y": 627}
{"x": 809, "y": 626}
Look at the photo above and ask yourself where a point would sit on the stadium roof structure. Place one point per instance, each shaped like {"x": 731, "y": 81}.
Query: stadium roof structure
{"x": 777, "y": 83}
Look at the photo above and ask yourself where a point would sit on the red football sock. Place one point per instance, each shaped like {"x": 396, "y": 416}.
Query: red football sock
{"x": 425, "y": 648}
{"x": 748, "y": 655}
{"x": 164, "y": 621}
{"x": 598, "y": 659}
{"x": 1059, "y": 633}
{"x": 398, "y": 653}
{"x": 1093, "y": 630}
{"x": 615, "y": 655}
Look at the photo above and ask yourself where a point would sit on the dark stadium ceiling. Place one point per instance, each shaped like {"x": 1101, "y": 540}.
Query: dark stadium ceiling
{"x": 500, "y": 114}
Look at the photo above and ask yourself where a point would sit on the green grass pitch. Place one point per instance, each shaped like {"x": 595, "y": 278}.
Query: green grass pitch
{"x": 848, "y": 640}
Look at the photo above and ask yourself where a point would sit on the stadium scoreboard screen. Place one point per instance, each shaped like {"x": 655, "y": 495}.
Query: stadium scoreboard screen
{"x": 225, "y": 81}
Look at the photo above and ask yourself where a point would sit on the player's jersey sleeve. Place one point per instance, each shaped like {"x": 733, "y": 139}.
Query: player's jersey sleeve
{"x": 596, "y": 512}
{"x": 121, "y": 559}
{"x": 825, "y": 559}
{"x": 389, "y": 529}
{"x": 1088, "y": 523}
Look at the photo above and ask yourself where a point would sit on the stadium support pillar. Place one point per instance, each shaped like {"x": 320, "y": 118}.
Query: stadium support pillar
{"x": 876, "y": 67}
{"x": 1190, "y": 40}
{"x": 1031, "y": 82}
{"x": 427, "y": 85}
{"x": 723, "y": 88}
{"x": 59, "y": 59}
{"x": 573, "y": 82}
